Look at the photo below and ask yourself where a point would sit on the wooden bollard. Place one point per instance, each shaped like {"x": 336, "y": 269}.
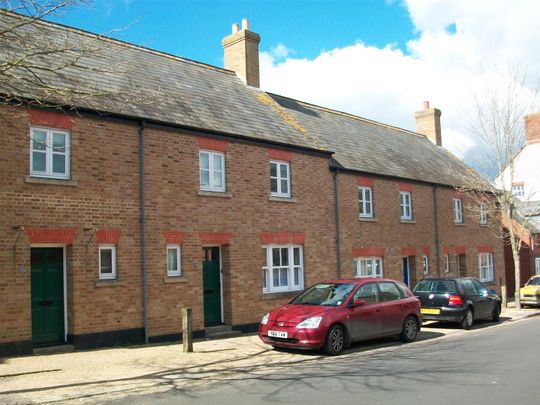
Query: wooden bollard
{"x": 187, "y": 338}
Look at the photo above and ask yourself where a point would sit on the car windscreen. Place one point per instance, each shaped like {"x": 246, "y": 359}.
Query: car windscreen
{"x": 325, "y": 294}
{"x": 534, "y": 281}
{"x": 435, "y": 286}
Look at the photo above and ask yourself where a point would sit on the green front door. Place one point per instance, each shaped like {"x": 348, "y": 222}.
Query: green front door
{"x": 47, "y": 295}
{"x": 211, "y": 286}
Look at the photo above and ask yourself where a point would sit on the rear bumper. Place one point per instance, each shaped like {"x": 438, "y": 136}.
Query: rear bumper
{"x": 446, "y": 315}
{"x": 527, "y": 300}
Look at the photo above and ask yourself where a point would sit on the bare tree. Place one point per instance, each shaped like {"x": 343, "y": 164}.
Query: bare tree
{"x": 496, "y": 118}
{"x": 46, "y": 65}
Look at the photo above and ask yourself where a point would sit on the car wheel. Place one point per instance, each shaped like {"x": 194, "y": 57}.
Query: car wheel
{"x": 335, "y": 340}
{"x": 468, "y": 319}
{"x": 496, "y": 313}
{"x": 409, "y": 330}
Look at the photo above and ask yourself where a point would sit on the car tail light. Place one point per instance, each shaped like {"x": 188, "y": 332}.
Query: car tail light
{"x": 455, "y": 300}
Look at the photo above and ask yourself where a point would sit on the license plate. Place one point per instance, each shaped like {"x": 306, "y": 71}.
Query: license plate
{"x": 277, "y": 333}
{"x": 430, "y": 311}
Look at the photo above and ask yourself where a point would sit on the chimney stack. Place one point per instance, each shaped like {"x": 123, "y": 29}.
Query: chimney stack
{"x": 241, "y": 51}
{"x": 532, "y": 128}
{"x": 428, "y": 122}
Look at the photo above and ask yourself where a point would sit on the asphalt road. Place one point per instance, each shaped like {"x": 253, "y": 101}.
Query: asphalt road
{"x": 490, "y": 365}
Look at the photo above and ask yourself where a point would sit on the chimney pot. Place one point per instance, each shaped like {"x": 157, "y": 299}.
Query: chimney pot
{"x": 426, "y": 105}
{"x": 235, "y": 28}
{"x": 245, "y": 24}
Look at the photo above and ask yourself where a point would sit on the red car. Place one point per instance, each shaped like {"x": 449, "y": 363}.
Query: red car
{"x": 334, "y": 313}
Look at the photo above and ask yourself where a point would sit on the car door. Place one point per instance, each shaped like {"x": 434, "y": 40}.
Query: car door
{"x": 365, "y": 321}
{"x": 393, "y": 307}
{"x": 485, "y": 302}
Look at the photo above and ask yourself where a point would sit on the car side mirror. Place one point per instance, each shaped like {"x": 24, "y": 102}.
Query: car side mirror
{"x": 358, "y": 303}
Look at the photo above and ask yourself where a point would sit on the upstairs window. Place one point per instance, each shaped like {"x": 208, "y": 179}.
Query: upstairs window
{"x": 458, "y": 211}
{"x": 518, "y": 190}
{"x": 369, "y": 267}
{"x": 483, "y": 214}
{"x": 49, "y": 153}
{"x": 280, "y": 179}
{"x": 405, "y": 202}
{"x": 212, "y": 171}
{"x": 365, "y": 202}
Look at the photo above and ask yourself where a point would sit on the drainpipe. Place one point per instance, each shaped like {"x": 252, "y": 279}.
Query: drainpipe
{"x": 143, "y": 233}
{"x": 338, "y": 238}
{"x": 436, "y": 217}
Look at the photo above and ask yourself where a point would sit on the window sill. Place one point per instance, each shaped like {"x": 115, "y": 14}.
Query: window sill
{"x": 459, "y": 223}
{"x": 110, "y": 283}
{"x": 282, "y": 199}
{"x": 277, "y": 295}
{"x": 408, "y": 221}
{"x": 56, "y": 182}
{"x": 484, "y": 225}
{"x": 222, "y": 194}
{"x": 175, "y": 279}
{"x": 368, "y": 219}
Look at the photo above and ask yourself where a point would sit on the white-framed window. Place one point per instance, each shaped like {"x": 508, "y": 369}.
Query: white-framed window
{"x": 174, "y": 263}
{"x": 425, "y": 264}
{"x": 447, "y": 263}
{"x": 458, "y": 211}
{"x": 280, "y": 179}
{"x": 212, "y": 170}
{"x": 369, "y": 267}
{"x": 283, "y": 268}
{"x": 365, "y": 202}
{"x": 518, "y": 190}
{"x": 537, "y": 266}
{"x": 485, "y": 264}
{"x": 483, "y": 214}
{"x": 405, "y": 203}
{"x": 107, "y": 262}
{"x": 49, "y": 153}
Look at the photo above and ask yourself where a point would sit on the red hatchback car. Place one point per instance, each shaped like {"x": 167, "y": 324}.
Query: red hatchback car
{"x": 334, "y": 313}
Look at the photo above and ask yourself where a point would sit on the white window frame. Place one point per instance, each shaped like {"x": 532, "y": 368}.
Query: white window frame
{"x": 537, "y": 266}
{"x": 279, "y": 179}
{"x": 485, "y": 267}
{"x": 425, "y": 264}
{"x": 362, "y": 264}
{"x": 458, "y": 211}
{"x": 178, "y": 271}
{"x": 49, "y": 153}
{"x": 483, "y": 214}
{"x": 518, "y": 190}
{"x": 405, "y": 204}
{"x": 447, "y": 263}
{"x": 365, "y": 204}
{"x": 112, "y": 275}
{"x": 211, "y": 171}
{"x": 269, "y": 268}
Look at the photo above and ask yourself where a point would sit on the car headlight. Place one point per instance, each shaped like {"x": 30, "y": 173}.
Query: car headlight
{"x": 310, "y": 323}
{"x": 264, "y": 319}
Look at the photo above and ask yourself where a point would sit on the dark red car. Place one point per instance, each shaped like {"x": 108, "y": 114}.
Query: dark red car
{"x": 334, "y": 313}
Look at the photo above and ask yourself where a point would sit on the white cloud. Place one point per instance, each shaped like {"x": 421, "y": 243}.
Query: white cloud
{"x": 443, "y": 65}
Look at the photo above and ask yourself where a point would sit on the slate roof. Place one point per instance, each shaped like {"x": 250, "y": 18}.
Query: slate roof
{"x": 133, "y": 81}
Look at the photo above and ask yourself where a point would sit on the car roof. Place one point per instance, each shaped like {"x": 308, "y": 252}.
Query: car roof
{"x": 359, "y": 280}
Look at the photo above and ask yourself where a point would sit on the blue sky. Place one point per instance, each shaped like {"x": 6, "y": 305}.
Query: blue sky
{"x": 379, "y": 59}
{"x": 194, "y": 28}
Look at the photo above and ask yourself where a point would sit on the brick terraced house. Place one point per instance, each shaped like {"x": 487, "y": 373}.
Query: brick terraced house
{"x": 212, "y": 194}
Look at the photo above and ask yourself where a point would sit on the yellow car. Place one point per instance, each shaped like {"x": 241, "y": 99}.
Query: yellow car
{"x": 530, "y": 293}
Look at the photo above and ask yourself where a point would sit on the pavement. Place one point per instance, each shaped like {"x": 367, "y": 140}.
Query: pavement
{"x": 117, "y": 373}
